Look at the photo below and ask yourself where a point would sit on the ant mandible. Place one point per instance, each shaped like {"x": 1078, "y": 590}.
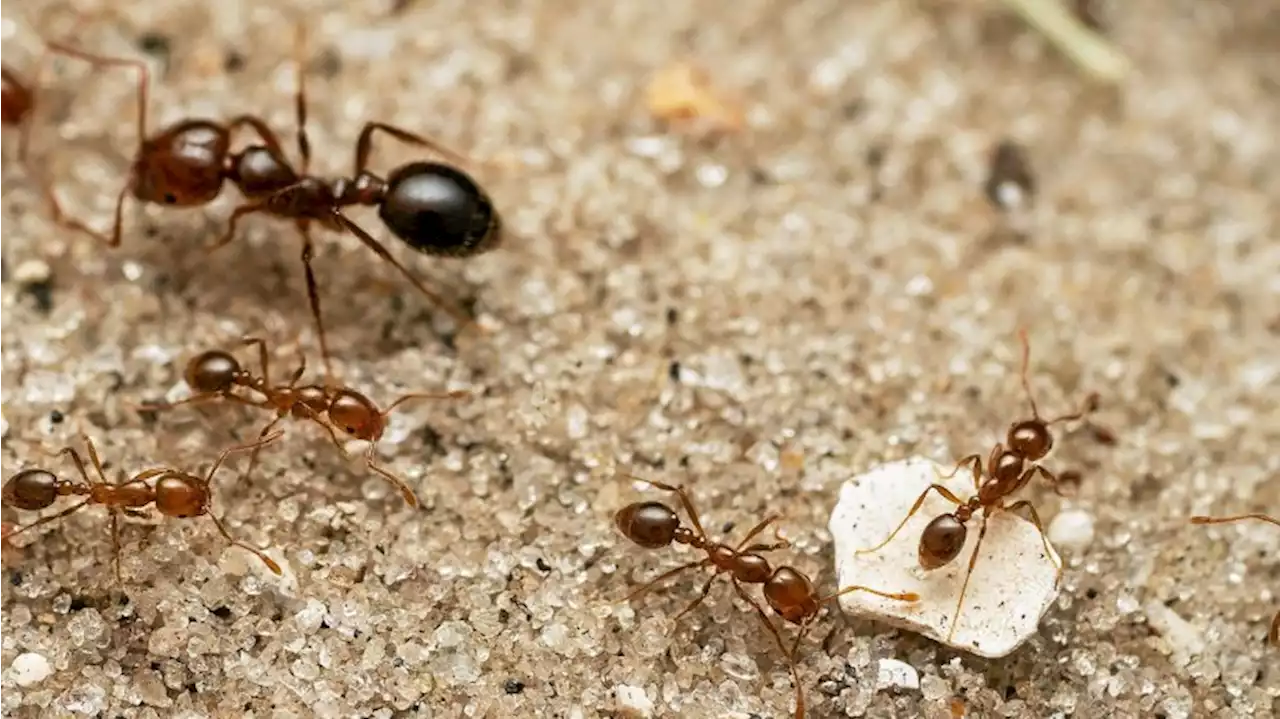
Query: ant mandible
{"x": 1274, "y": 634}
{"x": 1010, "y": 467}
{"x": 216, "y": 375}
{"x": 432, "y": 207}
{"x": 174, "y": 493}
{"x": 788, "y": 591}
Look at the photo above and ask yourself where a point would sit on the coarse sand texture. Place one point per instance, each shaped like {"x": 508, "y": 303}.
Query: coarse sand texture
{"x": 758, "y": 249}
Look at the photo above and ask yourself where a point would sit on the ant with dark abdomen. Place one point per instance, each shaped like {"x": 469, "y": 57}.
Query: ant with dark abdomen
{"x": 433, "y": 207}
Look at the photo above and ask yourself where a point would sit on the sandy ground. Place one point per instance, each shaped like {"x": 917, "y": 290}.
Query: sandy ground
{"x": 758, "y": 316}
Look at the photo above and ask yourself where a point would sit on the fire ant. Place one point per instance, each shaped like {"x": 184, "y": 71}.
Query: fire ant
{"x": 791, "y": 594}
{"x": 1274, "y": 634}
{"x": 1010, "y": 467}
{"x": 432, "y": 207}
{"x": 174, "y": 493}
{"x": 215, "y": 375}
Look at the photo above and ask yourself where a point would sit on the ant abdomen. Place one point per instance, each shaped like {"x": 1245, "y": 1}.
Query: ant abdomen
{"x": 31, "y": 489}
{"x": 649, "y": 524}
{"x": 212, "y": 371}
{"x": 439, "y": 210}
{"x": 356, "y": 415}
{"x": 941, "y": 541}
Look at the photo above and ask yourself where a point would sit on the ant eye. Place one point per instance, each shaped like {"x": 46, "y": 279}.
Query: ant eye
{"x": 170, "y": 198}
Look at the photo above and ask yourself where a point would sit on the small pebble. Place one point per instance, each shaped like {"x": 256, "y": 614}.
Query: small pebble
{"x": 896, "y": 674}
{"x": 633, "y": 702}
{"x": 1072, "y": 529}
{"x": 1183, "y": 638}
{"x": 30, "y": 668}
{"x": 31, "y": 271}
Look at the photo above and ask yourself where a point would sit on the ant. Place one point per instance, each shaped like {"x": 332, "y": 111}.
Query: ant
{"x": 791, "y": 594}
{"x": 432, "y": 207}
{"x": 174, "y": 493}
{"x": 1010, "y": 467}
{"x": 1274, "y": 634}
{"x": 215, "y": 375}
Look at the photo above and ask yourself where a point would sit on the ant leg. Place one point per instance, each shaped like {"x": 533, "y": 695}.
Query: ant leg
{"x": 271, "y": 563}
{"x": 1087, "y": 407}
{"x": 300, "y": 97}
{"x": 1239, "y": 517}
{"x": 199, "y": 398}
{"x": 406, "y": 491}
{"x": 1035, "y": 519}
{"x": 247, "y": 208}
{"x": 1026, "y": 366}
{"x": 112, "y": 240}
{"x": 706, "y": 589}
{"x": 313, "y": 297}
{"x": 903, "y": 596}
{"x": 1274, "y": 634}
{"x": 263, "y": 358}
{"x": 263, "y": 131}
{"x": 255, "y": 446}
{"x": 77, "y": 461}
{"x": 1056, "y": 482}
{"x": 973, "y": 459}
{"x": 115, "y": 544}
{"x": 791, "y": 656}
{"x": 964, "y": 588}
{"x": 911, "y": 512}
{"x": 258, "y": 445}
{"x": 456, "y": 394}
{"x": 51, "y": 518}
{"x": 757, "y": 530}
{"x": 665, "y": 576}
{"x": 193, "y": 399}
{"x": 93, "y": 457}
{"x": 685, "y": 501}
{"x": 382, "y": 252}
{"x": 364, "y": 144}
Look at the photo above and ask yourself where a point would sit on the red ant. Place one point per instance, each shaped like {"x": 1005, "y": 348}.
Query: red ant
{"x": 174, "y": 493}
{"x": 432, "y": 207}
{"x": 788, "y": 591}
{"x": 215, "y": 375}
{"x": 1274, "y": 634}
{"x": 1010, "y": 467}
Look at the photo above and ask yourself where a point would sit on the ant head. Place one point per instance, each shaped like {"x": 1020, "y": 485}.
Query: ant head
{"x": 791, "y": 595}
{"x": 1030, "y": 439}
{"x": 182, "y": 166}
{"x": 439, "y": 210}
{"x": 181, "y": 495}
{"x": 941, "y": 541}
{"x": 649, "y": 524}
{"x": 212, "y": 371}
{"x": 356, "y": 415}
{"x": 31, "y": 489}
